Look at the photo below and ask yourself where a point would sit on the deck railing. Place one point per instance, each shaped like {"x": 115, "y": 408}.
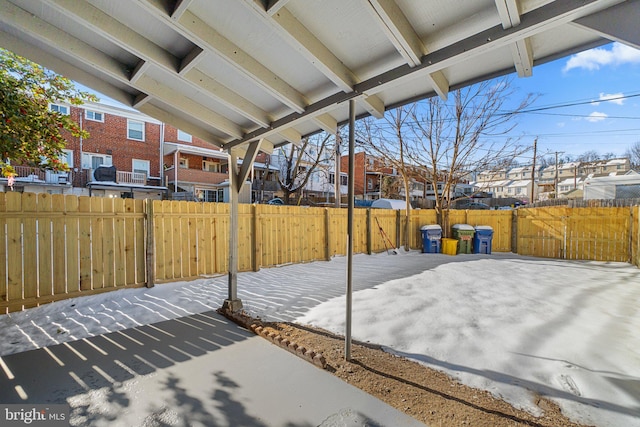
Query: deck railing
{"x": 37, "y": 175}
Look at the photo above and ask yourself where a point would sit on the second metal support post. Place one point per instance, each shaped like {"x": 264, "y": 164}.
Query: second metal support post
{"x": 350, "y": 206}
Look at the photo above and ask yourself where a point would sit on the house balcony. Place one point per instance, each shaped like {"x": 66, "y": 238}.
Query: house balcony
{"x": 135, "y": 178}
{"x": 194, "y": 176}
{"x": 31, "y": 175}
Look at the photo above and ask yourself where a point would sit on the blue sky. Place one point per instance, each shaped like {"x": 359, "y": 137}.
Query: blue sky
{"x": 592, "y": 78}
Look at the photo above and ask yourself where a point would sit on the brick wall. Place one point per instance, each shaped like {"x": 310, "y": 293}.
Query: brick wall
{"x": 110, "y": 138}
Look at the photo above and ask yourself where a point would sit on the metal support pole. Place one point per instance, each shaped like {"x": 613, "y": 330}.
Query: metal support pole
{"x": 350, "y": 206}
{"x": 555, "y": 180}
{"x": 336, "y": 183}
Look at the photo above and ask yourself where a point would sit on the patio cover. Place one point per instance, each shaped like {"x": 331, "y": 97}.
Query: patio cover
{"x": 232, "y": 72}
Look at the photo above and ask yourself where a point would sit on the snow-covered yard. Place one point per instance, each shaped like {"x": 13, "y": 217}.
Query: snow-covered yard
{"x": 512, "y": 325}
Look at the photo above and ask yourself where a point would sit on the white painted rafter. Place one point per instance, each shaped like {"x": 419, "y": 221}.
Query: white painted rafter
{"x": 521, "y": 49}
{"x": 82, "y": 52}
{"x": 18, "y": 46}
{"x": 273, "y": 6}
{"x": 291, "y": 135}
{"x": 327, "y": 123}
{"x": 191, "y": 60}
{"x": 402, "y": 35}
{"x": 195, "y": 109}
{"x": 140, "y": 69}
{"x": 152, "y": 54}
{"x": 201, "y": 34}
{"x": 187, "y": 126}
{"x": 180, "y": 8}
{"x": 314, "y": 51}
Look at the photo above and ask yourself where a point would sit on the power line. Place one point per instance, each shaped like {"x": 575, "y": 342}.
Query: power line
{"x": 576, "y": 103}
{"x": 583, "y": 115}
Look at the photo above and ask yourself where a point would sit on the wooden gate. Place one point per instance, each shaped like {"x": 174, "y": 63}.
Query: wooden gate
{"x": 598, "y": 234}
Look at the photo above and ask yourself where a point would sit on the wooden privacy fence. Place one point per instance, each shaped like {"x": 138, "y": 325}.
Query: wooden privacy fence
{"x": 599, "y": 234}
{"x": 56, "y": 247}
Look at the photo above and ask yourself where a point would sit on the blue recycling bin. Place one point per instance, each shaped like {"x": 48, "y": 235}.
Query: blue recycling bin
{"x": 431, "y": 235}
{"x": 483, "y": 239}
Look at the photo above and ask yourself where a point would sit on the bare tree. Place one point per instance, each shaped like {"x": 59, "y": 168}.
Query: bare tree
{"x": 386, "y": 139}
{"x": 588, "y": 156}
{"x": 471, "y": 132}
{"x": 297, "y": 163}
{"x": 633, "y": 153}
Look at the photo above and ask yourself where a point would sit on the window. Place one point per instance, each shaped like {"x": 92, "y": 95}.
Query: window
{"x": 92, "y": 161}
{"x": 183, "y": 163}
{"x": 183, "y": 136}
{"x": 94, "y": 115}
{"x": 343, "y": 180}
{"x": 204, "y": 195}
{"x": 209, "y": 166}
{"x": 369, "y": 184}
{"x": 62, "y": 109}
{"x": 141, "y": 166}
{"x": 135, "y": 130}
{"x": 67, "y": 157}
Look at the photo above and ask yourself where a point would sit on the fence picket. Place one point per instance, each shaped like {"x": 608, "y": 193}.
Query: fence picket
{"x": 119, "y": 245}
{"x": 72, "y": 240}
{"x": 85, "y": 243}
{"x": 30, "y": 247}
{"x": 108, "y": 239}
{"x": 59, "y": 245}
{"x": 14, "y": 248}
{"x": 97, "y": 234}
{"x": 45, "y": 245}
{"x": 4, "y": 293}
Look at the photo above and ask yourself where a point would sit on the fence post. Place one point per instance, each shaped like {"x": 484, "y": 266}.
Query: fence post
{"x": 514, "y": 231}
{"x": 398, "y": 228}
{"x": 633, "y": 230}
{"x": 256, "y": 239}
{"x": 369, "y": 237}
{"x": 327, "y": 233}
{"x": 150, "y": 256}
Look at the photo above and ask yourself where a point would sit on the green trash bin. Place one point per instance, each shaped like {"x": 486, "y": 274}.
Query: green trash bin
{"x": 464, "y": 233}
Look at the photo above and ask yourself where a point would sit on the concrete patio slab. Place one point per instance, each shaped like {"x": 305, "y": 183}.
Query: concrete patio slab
{"x": 199, "y": 370}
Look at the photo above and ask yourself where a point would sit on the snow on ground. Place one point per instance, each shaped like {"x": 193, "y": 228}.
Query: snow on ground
{"x": 512, "y": 325}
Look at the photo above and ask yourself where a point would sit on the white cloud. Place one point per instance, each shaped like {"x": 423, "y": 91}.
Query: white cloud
{"x": 561, "y": 124}
{"x": 596, "y": 117}
{"x": 593, "y": 59}
{"x": 616, "y": 98}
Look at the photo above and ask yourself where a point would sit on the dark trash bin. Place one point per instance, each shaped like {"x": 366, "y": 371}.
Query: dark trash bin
{"x": 431, "y": 235}
{"x": 483, "y": 239}
{"x": 464, "y": 233}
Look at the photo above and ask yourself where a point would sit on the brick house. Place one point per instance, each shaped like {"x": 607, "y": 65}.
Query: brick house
{"x": 369, "y": 172}
{"x": 129, "y": 154}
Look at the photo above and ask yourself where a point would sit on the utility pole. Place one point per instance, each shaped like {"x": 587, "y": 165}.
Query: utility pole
{"x": 533, "y": 171}
{"x": 555, "y": 184}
